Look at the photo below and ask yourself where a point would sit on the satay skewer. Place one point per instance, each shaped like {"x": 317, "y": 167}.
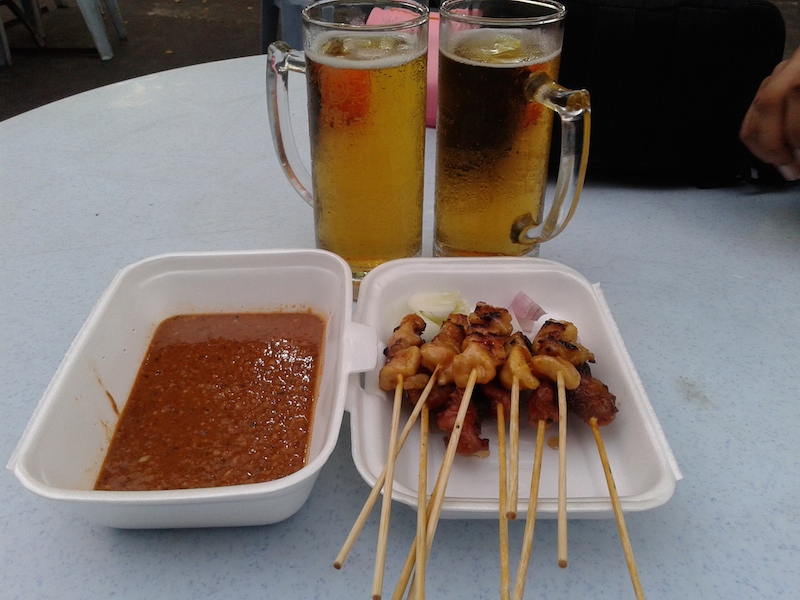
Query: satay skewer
{"x": 530, "y": 521}
{"x": 562, "y": 471}
{"x": 566, "y": 377}
{"x": 449, "y": 457}
{"x": 623, "y": 530}
{"x": 386, "y": 507}
{"x": 515, "y": 376}
{"x": 422, "y": 500}
{"x": 513, "y": 462}
{"x": 376, "y": 489}
{"x": 503, "y": 520}
{"x": 434, "y": 508}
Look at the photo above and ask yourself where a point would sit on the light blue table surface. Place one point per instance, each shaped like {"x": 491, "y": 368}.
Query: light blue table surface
{"x": 704, "y": 286}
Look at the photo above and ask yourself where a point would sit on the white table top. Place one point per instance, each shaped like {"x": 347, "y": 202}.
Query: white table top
{"x": 704, "y": 286}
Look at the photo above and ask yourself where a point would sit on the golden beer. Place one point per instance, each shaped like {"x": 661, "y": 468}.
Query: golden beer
{"x": 492, "y": 145}
{"x": 367, "y": 128}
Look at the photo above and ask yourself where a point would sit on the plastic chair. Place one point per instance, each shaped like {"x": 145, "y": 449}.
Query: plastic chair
{"x": 284, "y": 15}
{"x": 26, "y": 13}
{"x": 5, "y": 51}
{"x": 92, "y": 14}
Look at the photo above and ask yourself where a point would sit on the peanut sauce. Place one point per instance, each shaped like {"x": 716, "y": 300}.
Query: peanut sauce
{"x": 220, "y": 399}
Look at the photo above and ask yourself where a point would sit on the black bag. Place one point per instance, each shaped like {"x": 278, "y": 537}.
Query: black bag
{"x": 670, "y": 82}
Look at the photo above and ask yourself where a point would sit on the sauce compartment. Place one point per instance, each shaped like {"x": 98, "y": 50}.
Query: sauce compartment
{"x": 63, "y": 447}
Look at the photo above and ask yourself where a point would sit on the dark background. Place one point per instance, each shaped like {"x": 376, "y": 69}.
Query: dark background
{"x": 162, "y": 34}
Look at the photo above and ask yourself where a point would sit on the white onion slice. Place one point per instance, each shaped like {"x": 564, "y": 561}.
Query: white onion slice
{"x": 435, "y": 307}
{"x": 526, "y": 311}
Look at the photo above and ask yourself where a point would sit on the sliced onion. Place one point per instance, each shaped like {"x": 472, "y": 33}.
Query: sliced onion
{"x": 434, "y": 308}
{"x": 526, "y": 311}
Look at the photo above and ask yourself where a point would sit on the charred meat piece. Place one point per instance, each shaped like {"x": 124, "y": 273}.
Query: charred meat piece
{"x": 543, "y": 404}
{"x": 483, "y": 348}
{"x": 408, "y": 333}
{"x": 592, "y": 399}
{"x": 470, "y": 442}
{"x": 560, "y": 338}
{"x": 441, "y": 350}
{"x": 493, "y": 393}
{"x": 482, "y": 353}
{"x": 404, "y": 362}
{"x": 417, "y": 381}
{"x": 490, "y": 319}
{"x": 437, "y": 399}
{"x": 517, "y": 339}
{"x": 517, "y": 364}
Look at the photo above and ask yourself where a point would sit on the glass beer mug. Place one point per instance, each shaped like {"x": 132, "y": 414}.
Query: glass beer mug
{"x": 498, "y": 63}
{"x": 365, "y": 69}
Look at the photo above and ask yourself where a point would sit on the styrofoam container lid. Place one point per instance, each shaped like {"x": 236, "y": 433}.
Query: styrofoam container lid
{"x": 644, "y": 467}
{"x": 63, "y": 447}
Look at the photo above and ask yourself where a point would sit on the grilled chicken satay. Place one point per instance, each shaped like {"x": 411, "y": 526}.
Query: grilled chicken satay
{"x": 517, "y": 364}
{"x": 470, "y": 442}
{"x": 592, "y": 399}
{"x": 490, "y": 319}
{"x": 515, "y": 375}
{"x": 469, "y": 342}
{"x": 403, "y": 355}
{"x": 543, "y": 404}
{"x": 560, "y": 338}
{"x": 491, "y": 395}
{"x": 438, "y": 397}
{"x": 482, "y": 351}
{"x": 445, "y": 346}
{"x": 408, "y": 333}
{"x": 402, "y": 367}
{"x": 483, "y": 347}
{"x": 405, "y": 362}
{"x": 479, "y": 357}
{"x": 587, "y": 396}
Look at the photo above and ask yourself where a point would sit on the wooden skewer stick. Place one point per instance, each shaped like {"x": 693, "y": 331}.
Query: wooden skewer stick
{"x": 505, "y": 581}
{"x": 376, "y": 489}
{"x": 513, "y": 463}
{"x": 562, "y": 472}
{"x": 408, "y": 566}
{"x": 623, "y": 530}
{"x": 530, "y": 522}
{"x": 422, "y": 500}
{"x": 449, "y": 457}
{"x": 434, "y": 508}
{"x": 386, "y": 507}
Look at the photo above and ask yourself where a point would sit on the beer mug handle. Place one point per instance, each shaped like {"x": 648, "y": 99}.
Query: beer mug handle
{"x": 281, "y": 61}
{"x": 574, "y": 109}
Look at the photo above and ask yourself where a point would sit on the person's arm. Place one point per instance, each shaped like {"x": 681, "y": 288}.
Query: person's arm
{"x": 771, "y": 127}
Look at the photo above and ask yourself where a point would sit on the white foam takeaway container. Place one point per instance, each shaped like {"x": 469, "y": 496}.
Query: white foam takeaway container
{"x": 63, "y": 447}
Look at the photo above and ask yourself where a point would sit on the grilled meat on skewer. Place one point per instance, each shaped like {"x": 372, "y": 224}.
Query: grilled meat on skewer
{"x": 560, "y": 338}
{"x": 407, "y": 333}
{"x": 543, "y": 404}
{"x": 592, "y": 399}
{"x": 470, "y": 442}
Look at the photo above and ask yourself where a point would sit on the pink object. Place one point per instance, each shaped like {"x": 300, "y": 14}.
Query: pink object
{"x": 433, "y": 70}
{"x": 526, "y": 311}
{"x": 391, "y": 15}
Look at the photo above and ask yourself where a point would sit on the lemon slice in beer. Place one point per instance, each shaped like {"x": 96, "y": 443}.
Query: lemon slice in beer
{"x": 491, "y": 47}
{"x": 364, "y": 47}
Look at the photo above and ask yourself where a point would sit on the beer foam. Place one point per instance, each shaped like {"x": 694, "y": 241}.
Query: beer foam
{"x": 359, "y": 50}
{"x": 501, "y": 47}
